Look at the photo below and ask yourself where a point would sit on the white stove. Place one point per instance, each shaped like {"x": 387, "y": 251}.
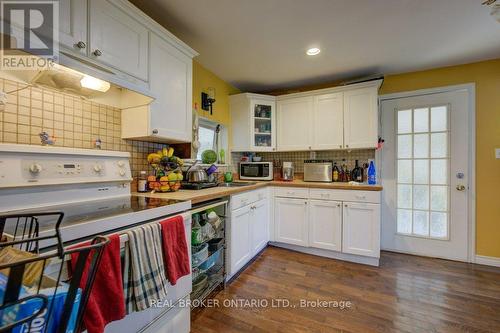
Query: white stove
{"x": 91, "y": 188}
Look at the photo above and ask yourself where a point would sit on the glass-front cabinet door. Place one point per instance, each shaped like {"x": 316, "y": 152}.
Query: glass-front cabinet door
{"x": 263, "y": 125}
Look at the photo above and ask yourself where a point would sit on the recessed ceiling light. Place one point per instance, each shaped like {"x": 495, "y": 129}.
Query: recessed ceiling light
{"x": 313, "y": 51}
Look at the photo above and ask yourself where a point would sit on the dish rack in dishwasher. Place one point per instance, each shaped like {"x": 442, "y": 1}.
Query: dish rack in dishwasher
{"x": 37, "y": 291}
{"x": 208, "y": 254}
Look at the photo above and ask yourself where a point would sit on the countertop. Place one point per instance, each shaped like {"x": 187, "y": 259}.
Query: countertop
{"x": 197, "y": 196}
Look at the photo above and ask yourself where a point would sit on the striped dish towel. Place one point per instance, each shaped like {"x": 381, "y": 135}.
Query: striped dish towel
{"x": 144, "y": 277}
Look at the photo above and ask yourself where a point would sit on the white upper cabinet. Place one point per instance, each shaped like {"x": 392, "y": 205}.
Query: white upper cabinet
{"x": 117, "y": 39}
{"x": 294, "y": 123}
{"x": 171, "y": 83}
{"x": 253, "y": 119}
{"x": 73, "y": 25}
{"x": 325, "y": 224}
{"x": 360, "y": 118}
{"x": 361, "y": 229}
{"x": 328, "y": 121}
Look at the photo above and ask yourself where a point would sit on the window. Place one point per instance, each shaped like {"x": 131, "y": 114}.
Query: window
{"x": 207, "y": 137}
{"x": 423, "y": 161}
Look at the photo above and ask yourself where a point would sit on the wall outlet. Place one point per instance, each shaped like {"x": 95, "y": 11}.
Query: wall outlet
{"x": 497, "y": 153}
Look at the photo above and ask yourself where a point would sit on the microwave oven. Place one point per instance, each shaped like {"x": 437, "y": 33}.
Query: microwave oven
{"x": 256, "y": 170}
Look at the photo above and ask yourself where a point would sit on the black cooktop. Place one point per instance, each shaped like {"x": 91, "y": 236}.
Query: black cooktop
{"x": 197, "y": 186}
{"x": 87, "y": 211}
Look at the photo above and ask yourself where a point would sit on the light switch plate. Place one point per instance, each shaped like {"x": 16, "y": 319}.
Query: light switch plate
{"x": 497, "y": 153}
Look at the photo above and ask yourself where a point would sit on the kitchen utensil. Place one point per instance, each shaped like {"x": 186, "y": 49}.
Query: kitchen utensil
{"x": 228, "y": 177}
{"x": 216, "y": 148}
{"x": 211, "y": 169}
{"x": 197, "y": 174}
{"x": 200, "y": 253}
{"x": 200, "y": 283}
{"x": 287, "y": 171}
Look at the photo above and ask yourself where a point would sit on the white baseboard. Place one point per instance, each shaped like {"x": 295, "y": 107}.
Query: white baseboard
{"x": 372, "y": 261}
{"x": 490, "y": 261}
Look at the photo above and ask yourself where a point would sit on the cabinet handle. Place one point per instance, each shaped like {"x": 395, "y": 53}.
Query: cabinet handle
{"x": 81, "y": 45}
{"x": 155, "y": 131}
{"x": 347, "y": 146}
{"x": 338, "y": 205}
{"x": 97, "y": 53}
{"x": 345, "y": 205}
{"x": 340, "y": 146}
{"x": 305, "y": 202}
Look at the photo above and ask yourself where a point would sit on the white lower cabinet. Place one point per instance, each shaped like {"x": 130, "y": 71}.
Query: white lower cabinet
{"x": 249, "y": 229}
{"x": 290, "y": 220}
{"x": 259, "y": 225}
{"x": 240, "y": 243}
{"x": 325, "y": 224}
{"x": 361, "y": 229}
{"x": 343, "y": 224}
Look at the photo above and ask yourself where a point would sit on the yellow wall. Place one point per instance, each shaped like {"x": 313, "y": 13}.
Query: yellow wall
{"x": 202, "y": 79}
{"x": 486, "y": 76}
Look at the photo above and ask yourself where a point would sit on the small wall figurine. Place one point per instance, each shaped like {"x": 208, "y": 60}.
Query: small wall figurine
{"x": 46, "y": 139}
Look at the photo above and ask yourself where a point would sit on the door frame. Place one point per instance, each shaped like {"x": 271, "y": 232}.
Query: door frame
{"x": 471, "y": 193}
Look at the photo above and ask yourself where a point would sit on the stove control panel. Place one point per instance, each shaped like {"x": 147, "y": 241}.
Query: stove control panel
{"x": 26, "y": 169}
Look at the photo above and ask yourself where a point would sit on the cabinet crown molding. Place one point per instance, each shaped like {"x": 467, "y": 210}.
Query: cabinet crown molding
{"x": 368, "y": 84}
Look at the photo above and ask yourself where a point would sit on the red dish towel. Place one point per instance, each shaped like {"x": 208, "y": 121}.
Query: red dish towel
{"x": 175, "y": 250}
{"x": 106, "y": 302}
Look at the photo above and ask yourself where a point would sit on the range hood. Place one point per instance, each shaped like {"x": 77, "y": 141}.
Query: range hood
{"x": 88, "y": 81}
{"x": 68, "y": 80}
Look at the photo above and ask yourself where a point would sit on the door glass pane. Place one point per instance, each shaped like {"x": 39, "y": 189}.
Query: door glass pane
{"x": 404, "y": 121}
{"x": 404, "y": 146}
{"x": 421, "y": 146}
{"x": 421, "y": 171}
{"x": 263, "y": 125}
{"x": 423, "y": 189}
{"x": 439, "y": 225}
{"x": 439, "y": 144}
{"x": 404, "y": 221}
{"x": 421, "y": 119}
{"x": 405, "y": 174}
{"x": 439, "y": 198}
{"x": 421, "y": 197}
{"x": 439, "y": 172}
{"x": 439, "y": 119}
{"x": 404, "y": 196}
{"x": 420, "y": 223}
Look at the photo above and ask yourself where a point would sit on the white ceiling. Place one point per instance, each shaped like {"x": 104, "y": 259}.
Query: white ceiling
{"x": 259, "y": 45}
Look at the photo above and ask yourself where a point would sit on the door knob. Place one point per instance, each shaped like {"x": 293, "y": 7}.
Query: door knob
{"x": 460, "y": 188}
{"x": 81, "y": 45}
{"x": 97, "y": 53}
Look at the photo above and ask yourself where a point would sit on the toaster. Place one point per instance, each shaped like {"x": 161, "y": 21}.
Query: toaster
{"x": 318, "y": 171}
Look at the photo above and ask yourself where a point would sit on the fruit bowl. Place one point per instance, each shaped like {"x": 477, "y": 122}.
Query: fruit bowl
{"x": 171, "y": 182}
{"x": 167, "y": 171}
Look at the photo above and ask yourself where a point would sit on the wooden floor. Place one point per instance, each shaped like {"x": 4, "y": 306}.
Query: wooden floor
{"x": 405, "y": 294}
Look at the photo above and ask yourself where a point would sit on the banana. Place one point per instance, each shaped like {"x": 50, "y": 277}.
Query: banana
{"x": 170, "y": 152}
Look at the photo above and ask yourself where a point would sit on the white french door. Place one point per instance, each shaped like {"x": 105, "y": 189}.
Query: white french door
{"x": 425, "y": 174}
